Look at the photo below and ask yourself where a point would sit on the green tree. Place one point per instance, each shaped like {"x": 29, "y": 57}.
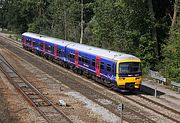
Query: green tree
{"x": 171, "y": 52}
{"x": 40, "y": 23}
{"x": 65, "y": 19}
{"x": 18, "y": 14}
{"x": 124, "y": 26}
{"x": 138, "y": 27}
{"x": 171, "y": 66}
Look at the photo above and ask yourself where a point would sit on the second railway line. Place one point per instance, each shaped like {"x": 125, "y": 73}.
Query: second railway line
{"x": 42, "y": 104}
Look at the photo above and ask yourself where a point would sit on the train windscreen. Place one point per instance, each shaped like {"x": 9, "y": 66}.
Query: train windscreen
{"x": 129, "y": 68}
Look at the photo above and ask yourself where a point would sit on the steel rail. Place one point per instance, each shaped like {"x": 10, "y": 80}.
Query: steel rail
{"x": 154, "y": 110}
{"x": 33, "y": 89}
{"x": 159, "y": 104}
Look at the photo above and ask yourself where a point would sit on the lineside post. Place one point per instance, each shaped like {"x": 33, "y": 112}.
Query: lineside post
{"x": 120, "y": 108}
{"x": 155, "y": 91}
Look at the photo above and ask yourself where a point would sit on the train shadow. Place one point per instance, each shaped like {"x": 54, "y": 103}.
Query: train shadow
{"x": 145, "y": 90}
{"x": 150, "y": 91}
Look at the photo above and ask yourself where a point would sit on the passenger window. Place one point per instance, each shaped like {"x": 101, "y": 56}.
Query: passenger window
{"x": 82, "y": 58}
{"x": 49, "y": 48}
{"x": 67, "y": 54}
{"x": 70, "y": 56}
{"x": 59, "y": 51}
{"x": 73, "y": 56}
{"x": 79, "y": 58}
{"x": 35, "y": 43}
{"x": 93, "y": 62}
{"x": 102, "y": 65}
{"x": 28, "y": 41}
{"x": 41, "y": 45}
{"x": 86, "y": 60}
{"x": 52, "y": 49}
{"x": 108, "y": 67}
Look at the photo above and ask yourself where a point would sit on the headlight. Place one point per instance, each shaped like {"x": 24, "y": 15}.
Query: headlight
{"x": 122, "y": 78}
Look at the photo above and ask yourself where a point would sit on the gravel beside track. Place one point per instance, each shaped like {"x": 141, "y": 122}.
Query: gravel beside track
{"x": 43, "y": 105}
{"x": 5, "y": 112}
{"x": 13, "y": 107}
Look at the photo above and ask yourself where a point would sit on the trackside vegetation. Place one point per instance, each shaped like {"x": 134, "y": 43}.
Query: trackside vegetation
{"x": 148, "y": 29}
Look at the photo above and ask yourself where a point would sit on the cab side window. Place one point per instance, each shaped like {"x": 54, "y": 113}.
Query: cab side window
{"x": 113, "y": 69}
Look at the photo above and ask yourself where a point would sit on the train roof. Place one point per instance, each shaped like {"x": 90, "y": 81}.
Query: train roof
{"x": 112, "y": 55}
{"x": 109, "y": 54}
{"x": 47, "y": 39}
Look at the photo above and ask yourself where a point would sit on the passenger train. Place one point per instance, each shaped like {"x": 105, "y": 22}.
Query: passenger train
{"x": 114, "y": 69}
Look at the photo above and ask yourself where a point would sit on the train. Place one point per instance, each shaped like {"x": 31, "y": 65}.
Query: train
{"x": 111, "y": 68}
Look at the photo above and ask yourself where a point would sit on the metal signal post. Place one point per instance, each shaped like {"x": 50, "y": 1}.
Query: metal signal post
{"x": 120, "y": 108}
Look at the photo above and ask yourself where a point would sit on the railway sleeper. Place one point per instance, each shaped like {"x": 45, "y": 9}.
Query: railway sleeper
{"x": 41, "y": 104}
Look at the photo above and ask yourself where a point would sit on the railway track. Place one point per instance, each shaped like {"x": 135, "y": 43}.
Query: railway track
{"x": 156, "y": 107}
{"x": 159, "y": 104}
{"x": 128, "y": 110}
{"x": 152, "y": 105}
{"x": 43, "y": 105}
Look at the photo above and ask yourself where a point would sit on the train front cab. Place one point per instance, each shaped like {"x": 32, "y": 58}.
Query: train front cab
{"x": 129, "y": 74}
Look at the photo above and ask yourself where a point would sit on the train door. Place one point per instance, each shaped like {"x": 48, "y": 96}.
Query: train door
{"x": 24, "y": 41}
{"x": 55, "y": 51}
{"x": 76, "y": 59}
{"x": 44, "y": 46}
{"x": 32, "y": 45}
{"x": 97, "y": 66}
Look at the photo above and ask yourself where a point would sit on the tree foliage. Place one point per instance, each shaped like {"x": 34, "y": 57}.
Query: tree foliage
{"x": 138, "y": 27}
{"x": 171, "y": 52}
